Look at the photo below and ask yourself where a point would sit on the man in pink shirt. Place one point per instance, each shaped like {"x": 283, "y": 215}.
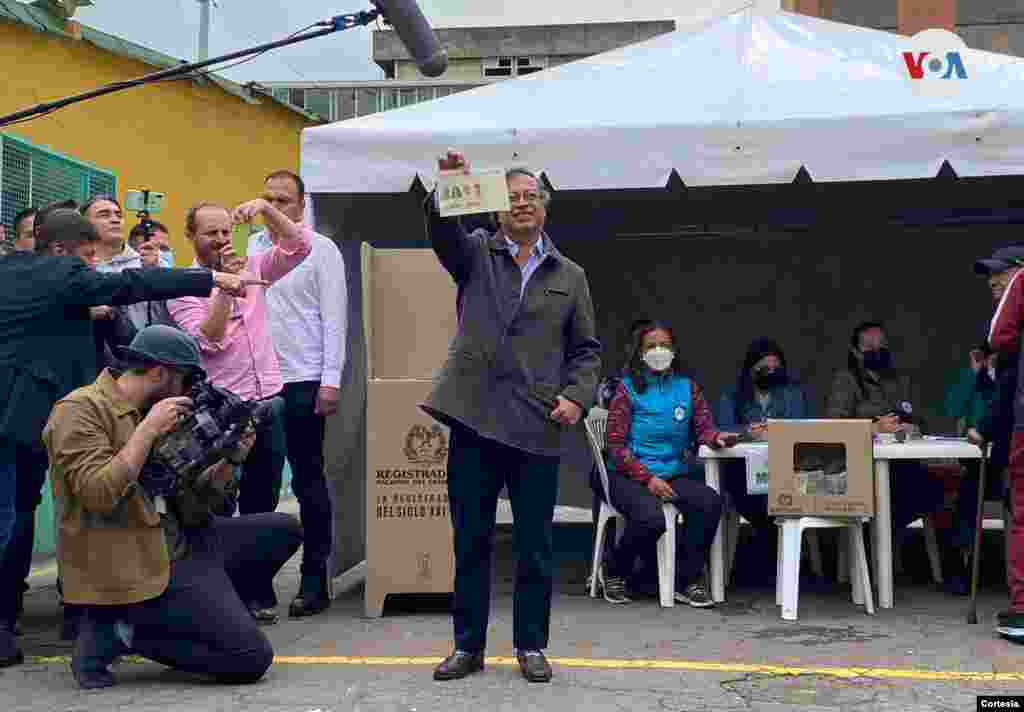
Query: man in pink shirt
{"x": 234, "y": 337}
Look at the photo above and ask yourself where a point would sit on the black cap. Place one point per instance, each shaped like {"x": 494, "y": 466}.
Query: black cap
{"x": 162, "y": 345}
{"x": 1001, "y": 260}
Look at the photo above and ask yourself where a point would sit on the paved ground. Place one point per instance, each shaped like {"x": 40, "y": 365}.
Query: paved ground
{"x": 921, "y": 655}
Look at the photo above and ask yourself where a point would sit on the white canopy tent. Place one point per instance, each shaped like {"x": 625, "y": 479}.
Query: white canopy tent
{"x": 735, "y": 107}
{"x": 743, "y": 100}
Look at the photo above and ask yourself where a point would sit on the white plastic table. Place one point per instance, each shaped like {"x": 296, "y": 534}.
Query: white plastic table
{"x": 881, "y": 526}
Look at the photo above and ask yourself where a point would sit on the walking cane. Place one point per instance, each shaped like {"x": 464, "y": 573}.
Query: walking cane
{"x": 972, "y": 609}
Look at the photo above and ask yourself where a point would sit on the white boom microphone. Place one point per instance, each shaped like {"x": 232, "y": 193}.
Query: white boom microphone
{"x": 414, "y": 31}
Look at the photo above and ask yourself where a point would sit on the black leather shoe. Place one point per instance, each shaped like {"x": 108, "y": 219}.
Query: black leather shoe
{"x": 263, "y": 614}
{"x": 306, "y": 605}
{"x": 9, "y": 652}
{"x": 534, "y": 666}
{"x": 98, "y": 646}
{"x": 313, "y": 597}
{"x": 459, "y": 664}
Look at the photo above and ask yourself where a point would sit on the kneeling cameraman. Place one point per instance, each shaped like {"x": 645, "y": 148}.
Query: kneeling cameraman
{"x": 162, "y": 579}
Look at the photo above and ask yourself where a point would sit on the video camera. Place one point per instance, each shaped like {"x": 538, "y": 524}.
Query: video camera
{"x": 217, "y": 423}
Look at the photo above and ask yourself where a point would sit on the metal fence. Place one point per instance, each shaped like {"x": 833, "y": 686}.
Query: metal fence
{"x": 32, "y": 176}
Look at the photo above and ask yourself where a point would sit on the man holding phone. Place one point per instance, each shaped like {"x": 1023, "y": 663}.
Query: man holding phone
{"x": 235, "y": 338}
{"x": 153, "y": 243}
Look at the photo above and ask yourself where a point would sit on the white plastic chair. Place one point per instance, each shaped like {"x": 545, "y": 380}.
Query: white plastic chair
{"x": 732, "y": 535}
{"x": 596, "y": 425}
{"x": 931, "y": 545}
{"x": 787, "y": 583}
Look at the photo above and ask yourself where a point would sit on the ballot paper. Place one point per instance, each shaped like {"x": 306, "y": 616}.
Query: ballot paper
{"x": 757, "y": 470}
{"x": 461, "y": 193}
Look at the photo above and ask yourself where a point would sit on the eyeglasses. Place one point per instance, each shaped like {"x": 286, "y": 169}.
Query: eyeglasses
{"x": 529, "y": 198}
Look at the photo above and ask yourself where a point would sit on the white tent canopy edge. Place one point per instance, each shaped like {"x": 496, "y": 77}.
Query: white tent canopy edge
{"x": 742, "y": 100}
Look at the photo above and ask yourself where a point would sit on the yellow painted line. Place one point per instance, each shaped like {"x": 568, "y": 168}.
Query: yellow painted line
{"x": 49, "y": 569}
{"x": 613, "y": 664}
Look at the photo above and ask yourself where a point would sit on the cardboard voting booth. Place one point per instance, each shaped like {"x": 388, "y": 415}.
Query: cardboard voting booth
{"x": 820, "y": 468}
{"x": 409, "y": 319}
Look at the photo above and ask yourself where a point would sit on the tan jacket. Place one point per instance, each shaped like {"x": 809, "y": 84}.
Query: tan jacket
{"x": 110, "y": 543}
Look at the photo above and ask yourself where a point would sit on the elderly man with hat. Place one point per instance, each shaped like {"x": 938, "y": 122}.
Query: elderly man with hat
{"x": 1003, "y": 270}
{"x": 163, "y": 578}
{"x": 47, "y": 349}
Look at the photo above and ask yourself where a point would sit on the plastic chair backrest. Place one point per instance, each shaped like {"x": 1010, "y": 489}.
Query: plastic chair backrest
{"x": 596, "y": 425}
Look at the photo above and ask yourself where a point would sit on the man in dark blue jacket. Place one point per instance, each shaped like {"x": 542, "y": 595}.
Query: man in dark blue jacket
{"x": 522, "y": 369}
{"x": 47, "y": 350}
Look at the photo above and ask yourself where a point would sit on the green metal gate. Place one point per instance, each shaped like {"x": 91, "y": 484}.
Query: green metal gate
{"x": 33, "y": 176}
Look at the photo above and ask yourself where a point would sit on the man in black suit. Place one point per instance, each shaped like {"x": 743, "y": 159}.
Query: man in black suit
{"x": 47, "y": 350}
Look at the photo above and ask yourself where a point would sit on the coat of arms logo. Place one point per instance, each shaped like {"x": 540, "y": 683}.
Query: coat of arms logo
{"x": 426, "y": 445}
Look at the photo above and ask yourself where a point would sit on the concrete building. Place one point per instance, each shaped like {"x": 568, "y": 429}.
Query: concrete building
{"x": 481, "y": 55}
{"x": 993, "y": 25}
{"x": 477, "y": 56}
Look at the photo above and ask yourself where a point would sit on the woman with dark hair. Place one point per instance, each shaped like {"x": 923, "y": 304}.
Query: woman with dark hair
{"x": 871, "y": 387}
{"x": 764, "y": 389}
{"x": 655, "y": 415}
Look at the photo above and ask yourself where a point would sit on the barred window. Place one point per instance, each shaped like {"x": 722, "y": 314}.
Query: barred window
{"x": 32, "y": 176}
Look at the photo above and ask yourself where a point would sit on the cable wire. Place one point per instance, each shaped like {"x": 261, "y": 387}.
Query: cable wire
{"x": 145, "y": 79}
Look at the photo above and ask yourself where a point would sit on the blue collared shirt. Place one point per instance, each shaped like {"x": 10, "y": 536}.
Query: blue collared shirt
{"x": 536, "y": 257}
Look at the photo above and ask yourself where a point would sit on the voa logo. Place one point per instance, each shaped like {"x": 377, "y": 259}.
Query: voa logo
{"x": 923, "y": 65}
{"x": 934, "y": 62}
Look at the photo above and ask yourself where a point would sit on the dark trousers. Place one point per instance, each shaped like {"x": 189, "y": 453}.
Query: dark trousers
{"x": 260, "y": 487}
{"x": 701, "y": 508}
{"x": 477, "y": 470}
{"x": 200, "y": 624}
{"x": 16, "y": 562}
{"x": 752, "y": 507}
{"x": 914, "y": 492}
{"x": 304, "y": 433}
{"x": 8, "y": 492}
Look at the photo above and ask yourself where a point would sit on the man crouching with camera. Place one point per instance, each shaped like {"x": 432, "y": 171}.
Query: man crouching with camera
{"x": 161, "y": 578}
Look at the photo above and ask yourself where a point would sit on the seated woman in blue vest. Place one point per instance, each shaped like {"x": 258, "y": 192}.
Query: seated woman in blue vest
{"x": 656, "y": 413}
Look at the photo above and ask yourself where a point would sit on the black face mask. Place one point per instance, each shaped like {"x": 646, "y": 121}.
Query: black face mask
{"x": 879, "y": 360}
{"x": 766, "y": 379}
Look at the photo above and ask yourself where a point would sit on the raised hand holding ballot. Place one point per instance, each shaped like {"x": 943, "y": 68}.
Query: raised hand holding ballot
{"x": 462, "y": 192}
{"x": 453, "y": 161}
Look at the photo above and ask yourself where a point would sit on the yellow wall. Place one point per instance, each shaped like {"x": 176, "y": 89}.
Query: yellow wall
{"x": 191, "y": 142}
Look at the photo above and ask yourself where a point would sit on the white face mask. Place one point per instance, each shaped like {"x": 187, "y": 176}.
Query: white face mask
{"x": 659, "y": 358}
{"x": 992, "y": 372}
{"x": 167, "y": 258}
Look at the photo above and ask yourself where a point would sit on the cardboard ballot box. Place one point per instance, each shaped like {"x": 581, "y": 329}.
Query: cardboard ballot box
{"x": 408, "y": 313}
{"x": 409, "y": 321}
{"x": 820, "y": 468}
{"x": 408, "y": 528}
